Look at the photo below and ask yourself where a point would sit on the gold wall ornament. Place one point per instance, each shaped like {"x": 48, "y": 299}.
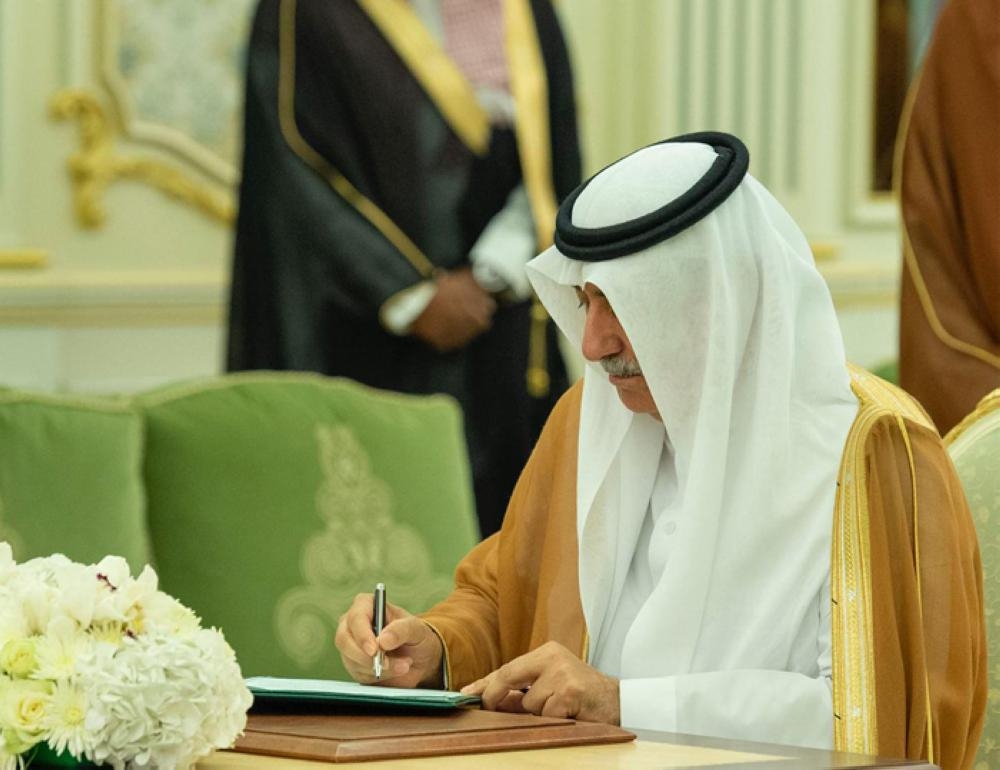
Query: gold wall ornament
{"x": 823, "y": 251}
{"x": 23, "y": 259}
{"x": 96, "y": 165}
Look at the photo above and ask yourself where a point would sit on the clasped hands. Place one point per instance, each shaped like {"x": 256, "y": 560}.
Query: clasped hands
{"x": 549, "y": 681}
{"x": 459, "y": 311}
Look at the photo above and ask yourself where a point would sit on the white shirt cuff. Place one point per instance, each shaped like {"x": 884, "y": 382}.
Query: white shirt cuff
{"x": 648, "y": 704}
{"x": 398, "y": 313}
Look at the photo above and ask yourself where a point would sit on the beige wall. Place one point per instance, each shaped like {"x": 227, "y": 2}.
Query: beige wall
{"x": 138, "y": 299}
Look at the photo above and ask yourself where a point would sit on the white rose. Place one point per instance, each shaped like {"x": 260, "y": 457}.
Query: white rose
{"x": 22, "y": 711}
{"x": 17, "y": 657}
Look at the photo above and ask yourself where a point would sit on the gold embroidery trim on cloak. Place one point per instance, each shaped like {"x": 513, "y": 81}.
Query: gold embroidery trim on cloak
{"x": 870, "y": 387}
{"x": 290, "y": 130}
{"x": 437, "y": 74}
{"x": 537, "y": 380}
{"x": 909, "y": 255}
{"x": 854, "y": 694}
{"x": 854, "y": 724}
{"x": 530, "y": 89}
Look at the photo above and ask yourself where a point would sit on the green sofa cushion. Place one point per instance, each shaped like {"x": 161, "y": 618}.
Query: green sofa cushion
{"x": 974, "y": 446}
{"x": 274, "y": 498}
{"x": 71, "y": 478}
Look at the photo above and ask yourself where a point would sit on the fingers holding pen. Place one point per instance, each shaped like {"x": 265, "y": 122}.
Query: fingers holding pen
{"x": 357, "y": 643}
{"x": 416, "y": 651}
{"x": 412, "y": 652}
{"x": 354, "y": 638}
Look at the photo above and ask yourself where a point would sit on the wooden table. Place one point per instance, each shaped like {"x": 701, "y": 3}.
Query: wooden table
{"x": 650, "y": 750}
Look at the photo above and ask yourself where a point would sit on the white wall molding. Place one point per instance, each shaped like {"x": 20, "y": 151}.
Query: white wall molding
{"x": 134, "y": 298}
{"x": 862, "y": 284}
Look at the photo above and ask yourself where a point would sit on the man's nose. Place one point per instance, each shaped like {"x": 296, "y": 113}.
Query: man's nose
{"x": 600, "y": 337}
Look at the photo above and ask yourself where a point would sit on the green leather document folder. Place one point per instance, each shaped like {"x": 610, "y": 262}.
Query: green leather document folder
{"x": 267, "y": 688}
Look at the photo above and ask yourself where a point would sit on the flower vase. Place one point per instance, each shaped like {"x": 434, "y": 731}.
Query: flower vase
{"x": 45, "y": 757}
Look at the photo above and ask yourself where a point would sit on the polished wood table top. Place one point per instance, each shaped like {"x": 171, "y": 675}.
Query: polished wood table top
{"x": 650, "y": 750}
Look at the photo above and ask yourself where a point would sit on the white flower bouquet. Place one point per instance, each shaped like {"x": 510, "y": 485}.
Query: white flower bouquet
{"x": 103, "y": 667}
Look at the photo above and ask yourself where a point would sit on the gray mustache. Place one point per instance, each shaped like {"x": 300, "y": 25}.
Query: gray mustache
{"x": 619, "y": 366}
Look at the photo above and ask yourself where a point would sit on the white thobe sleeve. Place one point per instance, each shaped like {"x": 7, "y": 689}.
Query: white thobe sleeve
{"x": 503, "y": 249}
{"x": 782, "y": 707}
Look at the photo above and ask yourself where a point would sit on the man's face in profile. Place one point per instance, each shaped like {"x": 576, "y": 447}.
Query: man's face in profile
{"x": 605, "y": 342}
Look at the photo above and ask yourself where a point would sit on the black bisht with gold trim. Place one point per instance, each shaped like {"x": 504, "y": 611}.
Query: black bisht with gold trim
{"x": 358, "y": 181}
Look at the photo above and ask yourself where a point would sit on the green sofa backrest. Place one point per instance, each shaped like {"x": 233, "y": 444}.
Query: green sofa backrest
{"x": 273, "y": 499}
{"x": 71, "y": 478}
{"x": 270, "y": 500}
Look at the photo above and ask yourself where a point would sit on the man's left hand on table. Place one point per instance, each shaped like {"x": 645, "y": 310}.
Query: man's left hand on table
{"x": 550, "y": 681}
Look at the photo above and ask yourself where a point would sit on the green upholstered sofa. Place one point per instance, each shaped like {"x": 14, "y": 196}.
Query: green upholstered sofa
{"x": 265, "y": 501}
{"x": 974, "y": 447}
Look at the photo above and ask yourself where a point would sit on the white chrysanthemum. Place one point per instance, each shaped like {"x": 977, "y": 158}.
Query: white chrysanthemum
{"x": 59, "y": 652}
{"x": 65, "y": 721}
{"x": 108, "y": 632}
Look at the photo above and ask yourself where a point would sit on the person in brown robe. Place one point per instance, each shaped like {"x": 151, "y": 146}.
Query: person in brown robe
{"x": 802, "y": 567}
{"x": 949, "y": 192}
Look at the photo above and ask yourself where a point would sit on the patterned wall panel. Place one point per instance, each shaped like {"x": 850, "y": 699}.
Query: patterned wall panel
{"x": 165, "y": 106}
{"x": 175, "y": 71}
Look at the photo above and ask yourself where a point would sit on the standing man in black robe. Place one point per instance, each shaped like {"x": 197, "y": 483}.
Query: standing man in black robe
{"x": 402, "y": 161}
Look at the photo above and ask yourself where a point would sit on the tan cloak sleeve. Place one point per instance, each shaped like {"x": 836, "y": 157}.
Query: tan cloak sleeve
{"x": 496, "y": 614}
{"x": 911, "y": 675}
{"x": 929, "y": 633}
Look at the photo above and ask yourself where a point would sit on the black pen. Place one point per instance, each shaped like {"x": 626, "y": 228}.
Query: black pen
{"x": 378, "y": 623}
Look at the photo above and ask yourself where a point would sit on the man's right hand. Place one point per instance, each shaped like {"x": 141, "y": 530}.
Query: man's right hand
{"x": 459, "y": 312}
{"x": 413, "y": 652}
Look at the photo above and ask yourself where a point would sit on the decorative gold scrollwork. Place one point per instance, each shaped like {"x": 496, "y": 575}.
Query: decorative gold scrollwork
{"x": 23, "y": 259}
{"x": 95, "y": 166}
